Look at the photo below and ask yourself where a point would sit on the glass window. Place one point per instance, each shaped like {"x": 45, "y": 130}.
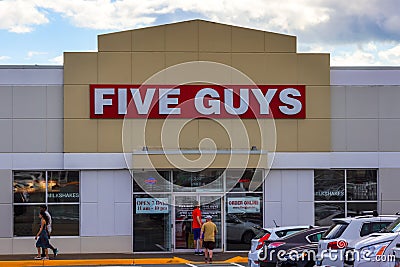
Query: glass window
{"x": 62, "y": 200}
{"x": 151, "y": 181}
{"x": 63, "y": 186}
{"x": 328, "y": 185}
{"x": 335, "y": 231}
{"x": 29, "y": 187}
{"x": 243, "y": 219}
{"x": 209, "y": 180}
{"x": 361, "y": 185}
{"x": 244, "y": 181}
{"x": 344, "y": 193}
{"x": 152, "y": 223}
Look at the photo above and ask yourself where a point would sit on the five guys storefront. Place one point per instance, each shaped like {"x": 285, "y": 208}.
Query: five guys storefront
{"x": 122, "y": 142}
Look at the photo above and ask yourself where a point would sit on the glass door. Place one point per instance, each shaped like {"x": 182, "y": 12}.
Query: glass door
{"x": 184, "y": 205}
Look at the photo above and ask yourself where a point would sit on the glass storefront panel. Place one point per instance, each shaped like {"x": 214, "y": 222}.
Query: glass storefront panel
{"x": 211, "y": 205}
{"x": 63, "y": 186}
{"x": 329, "y": 185}
{"x": 26, "y": 221}
{"x": 244, "y": 181}
{"x": 209, "y": 180}
{"x": 152, "y": 223}
{"x": 362, "y": 185}
{"x": 151, "y": 181}
{"x": 29, "y": 186}
{"x": 361, "y": 208}
{"x": 325, "y": 212}
{"x": 184, "y": 206}
{"x": 244, "y": 218}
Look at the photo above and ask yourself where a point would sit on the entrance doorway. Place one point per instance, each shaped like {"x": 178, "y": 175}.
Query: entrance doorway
{"x": 184, "y": 205}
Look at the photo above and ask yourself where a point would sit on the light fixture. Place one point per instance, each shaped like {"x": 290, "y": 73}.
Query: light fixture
{"x": 253, "y": 148}
{"x": 145, "y": 148}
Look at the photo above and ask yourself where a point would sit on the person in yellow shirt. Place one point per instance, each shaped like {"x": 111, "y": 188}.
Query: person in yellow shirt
{"x": 209, "y": 230}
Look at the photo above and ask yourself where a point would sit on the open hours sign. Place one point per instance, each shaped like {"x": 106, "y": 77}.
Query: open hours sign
{"x": 152, "y": 205}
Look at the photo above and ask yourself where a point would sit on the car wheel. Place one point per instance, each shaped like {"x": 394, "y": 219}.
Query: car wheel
{"x": 247, "y": 237}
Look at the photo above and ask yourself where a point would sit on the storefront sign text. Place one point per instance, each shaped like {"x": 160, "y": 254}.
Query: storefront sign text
{"x": 151, "y": 205}
{"x": 244, "y": 205}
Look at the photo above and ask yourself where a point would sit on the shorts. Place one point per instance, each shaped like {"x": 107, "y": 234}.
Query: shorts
{"x": 196, "y": 233}
{"x": 209, "y": 245}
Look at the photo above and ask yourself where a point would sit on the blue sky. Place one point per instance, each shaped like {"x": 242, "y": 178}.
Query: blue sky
{"x": 355, "y": 33}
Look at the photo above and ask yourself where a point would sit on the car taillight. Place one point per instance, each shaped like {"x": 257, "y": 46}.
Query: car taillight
{"x": 276, "y": 244}
{"x": 261, "y": 241}
{"x": 340, "y": 244}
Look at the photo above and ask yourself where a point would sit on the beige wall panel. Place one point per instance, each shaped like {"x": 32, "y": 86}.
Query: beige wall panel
{"x": 251, "y": 64}
{"x": 222, "y": 74}
{"x": 119, "y": 41}
{"x": 313, "y": 69}
{"x": 188, "y": 135}
{"x": 76, "y": 101}
{"x": 121, "y": 244}
{"x": 80, "y": 68}
{"x": 286, "y": 135}
{"x": 254, "y": 131}
{"x": 145, "y": 65}
{"x": 314, "y": 135}
{"x": 191, "y": 161}
{"x": 110, "y": 136}
{"x": 218, "y": 132}
{"x": 318, "y": 102}
{"x": 115, "y": 67}
{"x": 247, "y": 40}
{"x": 68, "y": 245}
{"x": 152, "y": 133}
{"x": 80, "y": 135}
{"x": 279, "y": 43}
{"x": 282, "y": 68}
{"x": 214, "y": 37}
{"x": 133, "y": 134}
{"x": 149, "y": 39}
{"x": 182, "y": 36}
{"x": 180, "y": 74}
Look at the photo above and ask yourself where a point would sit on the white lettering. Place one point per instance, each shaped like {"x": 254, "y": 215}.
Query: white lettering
{"x": 99, "y": 100}
{"x": 214, "y": 104}
{"x": 122, "y": 101}
{"x": 143, "y": 106}
{"x": 165, "y": 101}
{"x": 284, "y": 96}
{"x": 244, "y": 101}
{"x": 264, "y": 100}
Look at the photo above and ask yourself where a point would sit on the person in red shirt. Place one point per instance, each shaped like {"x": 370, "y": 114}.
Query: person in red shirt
{"x": 196, "y": 229}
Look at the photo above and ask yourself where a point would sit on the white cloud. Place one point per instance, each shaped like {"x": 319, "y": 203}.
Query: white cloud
{"x": 4, "y": 58}
{"x": 391, "y": 56}
{"x": 353, "y": 58}
{"x": 57, "y": 60}
{"x": 20, "y": 16}
{"x": 32, "y": 54}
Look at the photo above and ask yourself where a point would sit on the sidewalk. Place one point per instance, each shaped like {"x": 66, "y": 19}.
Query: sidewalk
{"x": 121, "y": 259}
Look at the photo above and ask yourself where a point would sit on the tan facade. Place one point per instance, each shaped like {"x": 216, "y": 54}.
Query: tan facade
{"x": 131, "y": 57}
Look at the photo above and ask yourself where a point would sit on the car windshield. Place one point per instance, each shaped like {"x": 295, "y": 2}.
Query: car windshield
{"x": 335, "y": 231}
{"x": 394, "y": 227}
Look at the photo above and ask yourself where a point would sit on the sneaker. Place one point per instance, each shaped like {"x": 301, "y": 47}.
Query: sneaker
{"x": 210, "y": 261}
{"x": 37, "y": 258}
{"x": 55, "y": 252}
{"x": 201, "y": 253}
{"x": 46, "y": 258}
{"x": 196, "y": 253}
{"x": 205, "y": 260}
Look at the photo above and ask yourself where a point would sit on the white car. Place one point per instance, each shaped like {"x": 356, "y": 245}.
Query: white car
{"x": 336, "y": 239}
{"x": 270, "y": 234}
{"x": 376, "y": 250}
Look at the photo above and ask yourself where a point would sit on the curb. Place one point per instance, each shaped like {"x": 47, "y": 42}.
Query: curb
{"x": 174, "y": 260}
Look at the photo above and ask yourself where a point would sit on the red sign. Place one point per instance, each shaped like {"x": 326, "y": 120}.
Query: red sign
{"x": 197, "y": 101}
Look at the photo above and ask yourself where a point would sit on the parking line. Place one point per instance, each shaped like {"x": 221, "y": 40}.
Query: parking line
{"x": 191, "y": 265}
{"x": 237, "y": 264}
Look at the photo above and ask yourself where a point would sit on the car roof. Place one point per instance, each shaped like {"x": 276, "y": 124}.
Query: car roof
{"x": 366, "y": 218}
{"x": 280, "y": 228}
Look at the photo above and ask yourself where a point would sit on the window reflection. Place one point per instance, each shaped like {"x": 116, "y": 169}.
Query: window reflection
{"x": 151, "y": 181}
{"x": 29, "y": 187}
{"x": 329, "y": 185}
{"x": 206, "y": 180}
{"x": 361, "y": 185}
{"x": 63, "y": 186}
{"x": 239, "y": 180}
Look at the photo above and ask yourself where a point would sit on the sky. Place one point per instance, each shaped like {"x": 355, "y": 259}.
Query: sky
{"x": 354, "y": 32}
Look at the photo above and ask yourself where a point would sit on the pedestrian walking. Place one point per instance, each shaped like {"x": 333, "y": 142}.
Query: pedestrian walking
{"x": 49, "y": 228}
{"x": 42, "y": 237}
{"x": 196, "y": 229}
{"x": 209, "y": 229}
